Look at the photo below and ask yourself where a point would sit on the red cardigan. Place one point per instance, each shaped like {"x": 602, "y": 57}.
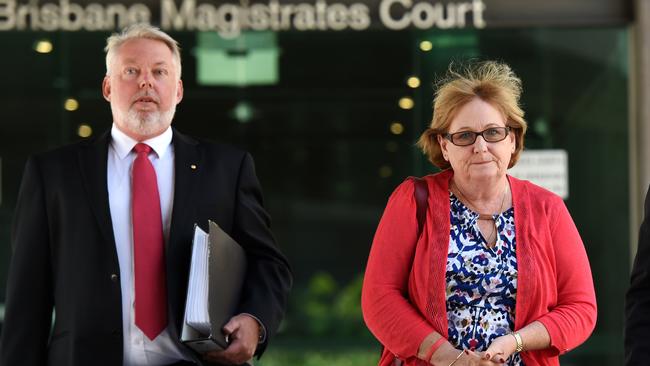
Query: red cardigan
{"x": 403, "y": 298}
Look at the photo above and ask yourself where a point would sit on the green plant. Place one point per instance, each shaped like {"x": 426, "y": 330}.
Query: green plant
{"x": 324, "y": 309}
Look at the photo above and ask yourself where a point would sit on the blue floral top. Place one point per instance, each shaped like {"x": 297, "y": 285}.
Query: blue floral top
{"x": 481, "y": 281}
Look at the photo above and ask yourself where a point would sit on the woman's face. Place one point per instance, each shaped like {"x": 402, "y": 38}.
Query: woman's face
{"x": 481, "y": 159}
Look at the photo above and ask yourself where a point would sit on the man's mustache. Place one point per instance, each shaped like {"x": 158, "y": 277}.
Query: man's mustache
{"x": 145, "y": 95}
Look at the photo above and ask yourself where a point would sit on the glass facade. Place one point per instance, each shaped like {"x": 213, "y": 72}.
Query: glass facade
{"x": 324, "y": 117}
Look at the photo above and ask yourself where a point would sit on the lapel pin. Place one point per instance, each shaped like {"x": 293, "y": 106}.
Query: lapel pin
{"x": 193, "y": 166}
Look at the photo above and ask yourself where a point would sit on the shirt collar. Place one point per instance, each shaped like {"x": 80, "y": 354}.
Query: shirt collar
{"x": 123, "y": 144}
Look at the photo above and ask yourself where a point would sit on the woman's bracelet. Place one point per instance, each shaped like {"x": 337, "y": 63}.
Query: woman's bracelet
{"x": 457, "y": 358}
{"x": 433, "y": 348}
{"x": 520, "y": 343}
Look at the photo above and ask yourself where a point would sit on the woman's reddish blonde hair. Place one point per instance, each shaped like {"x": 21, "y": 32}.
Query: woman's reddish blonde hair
{"x": 491, "y": 81}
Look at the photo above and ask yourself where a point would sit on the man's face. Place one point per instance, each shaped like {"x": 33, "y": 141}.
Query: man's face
{"x": 143, "y": 88}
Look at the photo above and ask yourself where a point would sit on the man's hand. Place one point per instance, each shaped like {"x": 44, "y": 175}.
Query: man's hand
{"x": 243, "y": 331}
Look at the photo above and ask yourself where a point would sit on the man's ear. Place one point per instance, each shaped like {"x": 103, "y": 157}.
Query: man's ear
{"x": 179, "y": 91}
{"x": 106, "y": 88}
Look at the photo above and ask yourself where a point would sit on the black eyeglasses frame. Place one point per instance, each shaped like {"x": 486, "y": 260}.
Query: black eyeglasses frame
{"x": 450, "y": 136}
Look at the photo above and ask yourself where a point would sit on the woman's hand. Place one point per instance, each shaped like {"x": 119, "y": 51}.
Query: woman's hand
{"x": 501, "y": 348}
{"x": 471, "y": 358}
{"x": 447, "y": 354}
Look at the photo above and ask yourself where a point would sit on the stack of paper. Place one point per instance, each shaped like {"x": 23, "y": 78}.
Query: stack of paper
{"x": 197, "y": 315}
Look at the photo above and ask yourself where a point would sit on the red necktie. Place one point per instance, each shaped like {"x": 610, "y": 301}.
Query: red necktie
{"x": 148, "y": 247}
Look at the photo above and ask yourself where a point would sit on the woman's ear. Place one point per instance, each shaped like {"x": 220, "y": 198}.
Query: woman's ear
{"x": 443, "y": 146}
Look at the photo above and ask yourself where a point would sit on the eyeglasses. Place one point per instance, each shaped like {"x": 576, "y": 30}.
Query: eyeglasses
{"x": 465, "y": 138}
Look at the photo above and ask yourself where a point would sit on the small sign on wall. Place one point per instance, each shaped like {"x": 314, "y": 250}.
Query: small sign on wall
{"x": 546, "y": 168}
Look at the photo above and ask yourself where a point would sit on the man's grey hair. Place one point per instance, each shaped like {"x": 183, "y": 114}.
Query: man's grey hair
{"x": 136, "y": 31}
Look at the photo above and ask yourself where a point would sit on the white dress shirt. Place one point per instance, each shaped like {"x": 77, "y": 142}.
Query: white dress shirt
{"x": 138, "y": 349}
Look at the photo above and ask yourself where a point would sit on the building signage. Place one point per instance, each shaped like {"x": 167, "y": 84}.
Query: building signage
{"x": 546, "y": 168}
{"x": 231, "y": 18}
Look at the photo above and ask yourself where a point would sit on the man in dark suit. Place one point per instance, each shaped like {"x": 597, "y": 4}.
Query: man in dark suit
{"x": 103, "y": 230}
{"x": 637, "y": 299}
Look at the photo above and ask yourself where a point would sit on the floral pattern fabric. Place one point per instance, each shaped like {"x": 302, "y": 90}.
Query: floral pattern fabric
{"x": 481, "y": 281}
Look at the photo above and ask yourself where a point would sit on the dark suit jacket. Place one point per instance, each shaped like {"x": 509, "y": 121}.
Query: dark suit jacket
{"x": 637, "y": 299}
{"x": 64, "y": 254}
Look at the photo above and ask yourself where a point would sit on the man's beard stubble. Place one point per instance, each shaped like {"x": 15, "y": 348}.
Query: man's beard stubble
{"x": 148, "y": 123}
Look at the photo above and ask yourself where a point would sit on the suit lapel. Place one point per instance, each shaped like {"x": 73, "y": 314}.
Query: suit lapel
{"x": 187, "y": 166}
{"x": 187, "y": 170}
{"x": 93, "y": 161}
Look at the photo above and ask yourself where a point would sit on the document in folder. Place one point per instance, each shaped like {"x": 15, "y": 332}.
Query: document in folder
{"x": 217, "y": 272}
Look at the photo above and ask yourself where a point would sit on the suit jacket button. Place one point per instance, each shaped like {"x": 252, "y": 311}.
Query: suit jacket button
{"x": 114, "y": 277}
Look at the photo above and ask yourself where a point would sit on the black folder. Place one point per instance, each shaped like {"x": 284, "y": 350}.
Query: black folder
{"x": 226, "y": 271}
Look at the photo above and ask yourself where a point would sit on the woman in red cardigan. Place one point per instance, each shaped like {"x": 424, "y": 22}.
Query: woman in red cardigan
{"x": 498, "y": 274}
